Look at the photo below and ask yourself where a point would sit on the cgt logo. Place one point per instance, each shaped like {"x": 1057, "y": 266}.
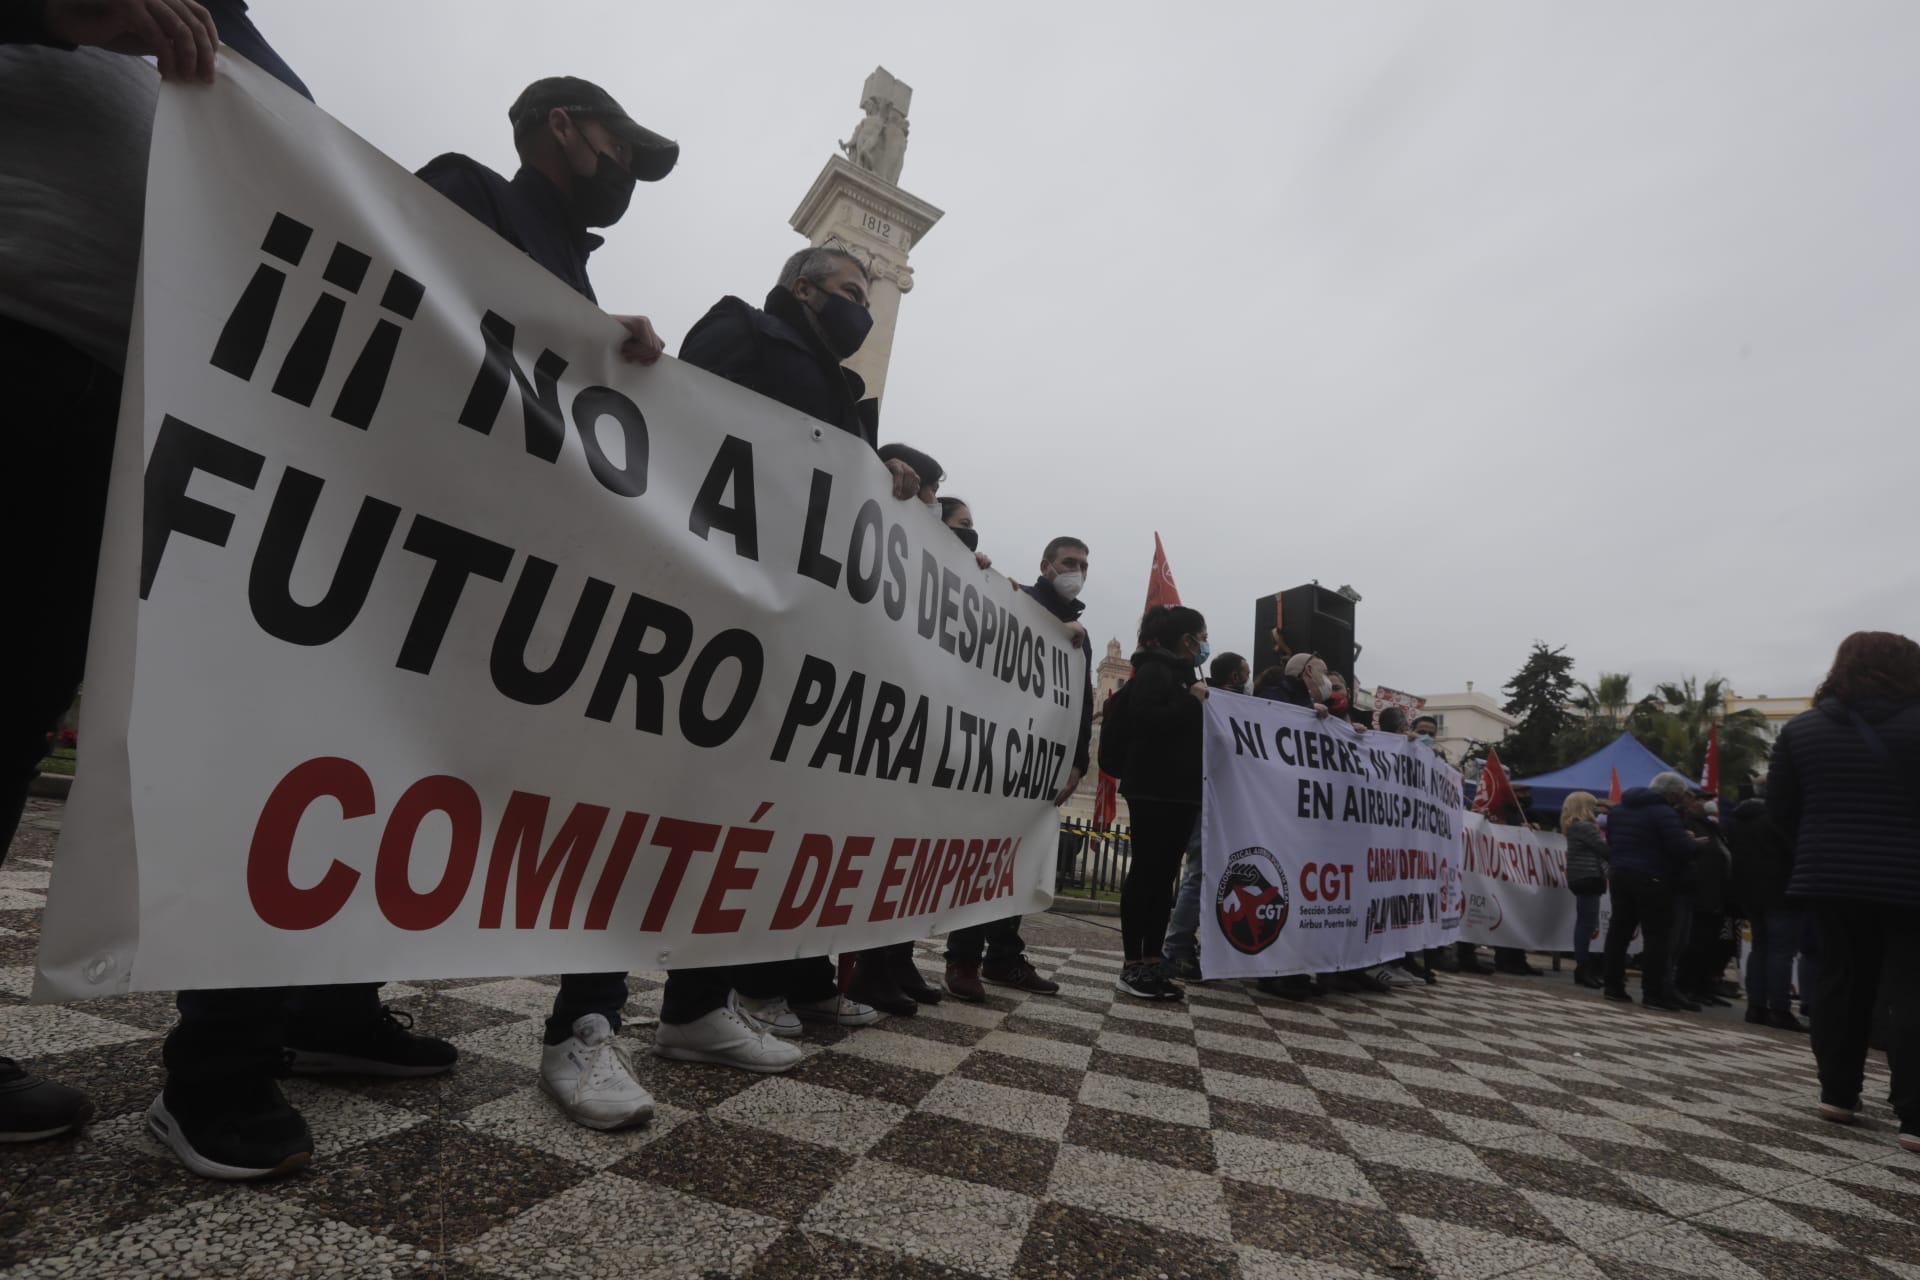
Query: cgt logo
{"x": 1252, "y": 903}
{"x": 1326, "y": 882}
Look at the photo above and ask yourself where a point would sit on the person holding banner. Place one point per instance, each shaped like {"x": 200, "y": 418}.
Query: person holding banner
{"x": 1232, "y": 673}
{"x": 996, "y": 952}
{"x": 71, "y": 199}
{"x": 816, "y": 316}
{"x": 1162, "y": 787}
{"x": 1587, "y": 878}
{"x": 580, "y": 156}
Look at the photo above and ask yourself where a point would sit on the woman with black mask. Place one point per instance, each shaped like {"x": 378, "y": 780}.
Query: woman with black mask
{"x": 958, "y": 516}
{"x": 1162, "y": 785}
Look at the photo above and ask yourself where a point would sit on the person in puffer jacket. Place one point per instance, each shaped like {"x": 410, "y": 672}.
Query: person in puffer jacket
{"x": 1651, "y": 851}
{"x": 1587, "y": 877}
{"x": 1844, "y": 785}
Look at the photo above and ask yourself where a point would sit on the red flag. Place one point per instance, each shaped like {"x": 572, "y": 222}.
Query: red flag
{"x": 1710, "y": 777}
{"x": 1160, "y": 588}
{"x": 1106, "y": 802}
{"x": 1495, "y": 795}
{"x": 1613, "y": 788}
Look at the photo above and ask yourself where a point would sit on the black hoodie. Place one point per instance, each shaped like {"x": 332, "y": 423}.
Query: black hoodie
{"x": 1163, "y": 730}
{"x": 1846, "y": 792}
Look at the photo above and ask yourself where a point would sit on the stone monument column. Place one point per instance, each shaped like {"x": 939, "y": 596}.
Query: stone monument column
{"x": 856, "y": 204}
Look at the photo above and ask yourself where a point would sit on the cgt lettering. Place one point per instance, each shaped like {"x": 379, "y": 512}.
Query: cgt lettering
{"x": 1326, "y": 882}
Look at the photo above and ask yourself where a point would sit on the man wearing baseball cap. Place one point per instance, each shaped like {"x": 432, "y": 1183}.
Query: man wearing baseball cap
{"x": 580, "y": 156}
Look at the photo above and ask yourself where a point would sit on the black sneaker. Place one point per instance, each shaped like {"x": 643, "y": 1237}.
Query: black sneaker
{"x": 1185, "y": 967}
{"x": 1617, "y": 994}
{"x": 1146, "y": 982}
{"x": 32, "y": 1108}
{"x": 235, "y": 1135}
{"x": 1670, "y": 1003}
{"x": 382, "y": 1046}
{"x": 1785, "y": 1021}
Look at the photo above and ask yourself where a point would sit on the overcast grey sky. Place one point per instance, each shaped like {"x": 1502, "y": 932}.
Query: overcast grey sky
{"x": 1595, "y": 324}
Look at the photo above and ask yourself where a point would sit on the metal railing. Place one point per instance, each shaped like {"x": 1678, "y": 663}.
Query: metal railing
{"x": 1093, "y": 861}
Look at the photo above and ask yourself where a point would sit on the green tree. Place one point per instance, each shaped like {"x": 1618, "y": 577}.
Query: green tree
{"x": 1601, "y": 712}
{"x": 1673, "y": 722}
{"x": 1537, "y": 698}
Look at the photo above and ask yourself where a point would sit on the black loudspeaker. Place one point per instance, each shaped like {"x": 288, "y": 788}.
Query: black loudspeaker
{"x": 1309, "y": 619}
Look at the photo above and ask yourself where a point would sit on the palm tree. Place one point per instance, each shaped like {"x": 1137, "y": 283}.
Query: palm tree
{"x": 1674, "y": 721}
{"x": 1605, "y": 711}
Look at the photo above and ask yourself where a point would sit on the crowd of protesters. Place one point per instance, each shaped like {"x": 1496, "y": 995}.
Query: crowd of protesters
{"x": 1836, "y": 841}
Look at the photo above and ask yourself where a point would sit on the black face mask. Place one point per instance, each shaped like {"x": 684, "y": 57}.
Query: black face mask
{"x": 601, "y": 197}
{"x": 843, "y": 324}
{"x": 969, "y": 538}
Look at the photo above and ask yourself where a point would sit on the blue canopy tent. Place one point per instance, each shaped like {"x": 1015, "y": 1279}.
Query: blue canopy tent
{"x": 1635, "y": 764}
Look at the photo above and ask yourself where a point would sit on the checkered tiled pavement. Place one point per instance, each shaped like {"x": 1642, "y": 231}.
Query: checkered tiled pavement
{"x": 1481, "y": 1128}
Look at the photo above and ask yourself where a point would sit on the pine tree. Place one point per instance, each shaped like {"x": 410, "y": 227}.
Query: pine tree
{"x": 1537, "y": 698}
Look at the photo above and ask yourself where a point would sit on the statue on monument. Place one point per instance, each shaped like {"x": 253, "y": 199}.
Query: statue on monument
{"x": 879, "y": 142}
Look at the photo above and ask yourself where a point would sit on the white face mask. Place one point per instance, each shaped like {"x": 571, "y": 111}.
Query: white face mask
{"x": 1069, "y": 584}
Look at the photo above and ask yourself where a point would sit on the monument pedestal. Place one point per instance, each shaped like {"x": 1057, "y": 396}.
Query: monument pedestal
{"x": 878, "y": 223}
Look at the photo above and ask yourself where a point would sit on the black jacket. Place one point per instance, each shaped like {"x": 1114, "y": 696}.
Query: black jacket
{"x": 1645, "y": 834}
{"x": 775, "y": 353}
{"x": 529, "y": 212}
{"x": 1163, "y": 731}
{"x": 1069, "y": 611}
{"x": 1762, "y": 859}
{"x": 1712, "y": 870}
{"x": 1851, "y": 811}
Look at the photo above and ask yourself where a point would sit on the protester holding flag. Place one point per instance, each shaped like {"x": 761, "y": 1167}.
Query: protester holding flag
{"x": 1844, "y": 785}
{"x": 1587, "y": 878}
{"x": 1162, "y": 787}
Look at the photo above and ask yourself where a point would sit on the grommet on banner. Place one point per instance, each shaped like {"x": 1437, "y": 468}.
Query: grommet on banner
{"x": 100, "y": 968}
{"x": 818, "y": 434}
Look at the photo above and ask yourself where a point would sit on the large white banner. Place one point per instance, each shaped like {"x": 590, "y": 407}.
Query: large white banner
{"x": 1327, "y": 847}
{"x": 433, "y": 640}
{"x": 1516, "y": 885}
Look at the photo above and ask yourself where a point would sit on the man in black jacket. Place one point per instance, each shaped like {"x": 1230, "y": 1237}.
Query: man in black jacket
{"x": 580, "y": 156}
{"x": 996, "y": 952}
{"x": 816, "y": 316}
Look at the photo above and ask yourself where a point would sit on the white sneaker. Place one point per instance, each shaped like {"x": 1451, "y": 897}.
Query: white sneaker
{"x": 771, "y": 1013}
{"x": 592, "y": 1079}
{"x": 727, "y": 1037}
{"x": 838, "y": 1010}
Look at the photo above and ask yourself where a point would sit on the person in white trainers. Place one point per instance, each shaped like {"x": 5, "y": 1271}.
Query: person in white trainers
{"x": 592, "y": 1078}
{"x": 722, "y": 1034}
{"x": 580, "y": 156}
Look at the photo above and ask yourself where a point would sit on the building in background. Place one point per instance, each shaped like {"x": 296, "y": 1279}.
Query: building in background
{"x": 1466, "y": 718}
{"x": 1777, "y": 710}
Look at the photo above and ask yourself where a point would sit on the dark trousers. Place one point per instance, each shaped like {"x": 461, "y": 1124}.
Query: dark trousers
{"x": 1867, "y": 953}
{"x": 693, "y": 993}
{"x": 61, "y": 406}
{"x": 226, "y": 1036}
{"x": 1586, "y": 915}
{"x": 1776, "y": 937}
{"x": 1160, "y": 834}
{"x": 995, "y": 942}
{"x": 1643, "y": 902}
{"x": 582, "y": 994}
